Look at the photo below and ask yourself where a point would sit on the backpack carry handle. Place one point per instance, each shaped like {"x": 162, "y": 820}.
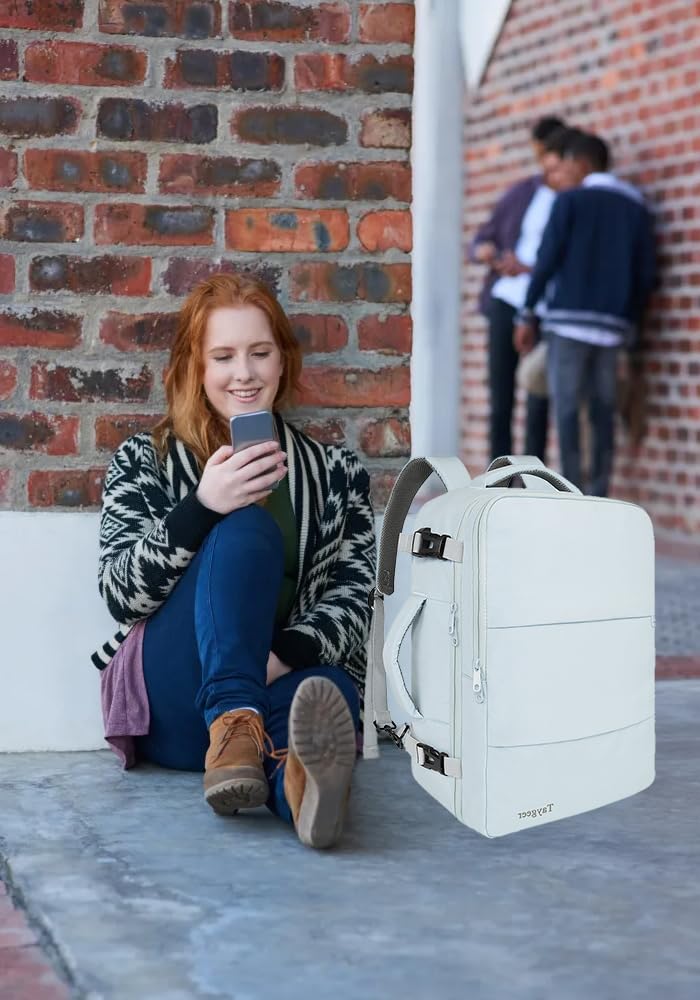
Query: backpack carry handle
{"x": 392, "y": 647}
{"x": 499, "y": 477}
{"x": 504, "y": 460}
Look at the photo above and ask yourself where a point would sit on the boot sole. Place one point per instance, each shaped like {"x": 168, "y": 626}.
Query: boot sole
{"x": 322, "y": 737}
{"x": 230, "y": 794}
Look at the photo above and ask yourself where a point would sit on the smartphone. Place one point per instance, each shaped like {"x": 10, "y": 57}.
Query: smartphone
{"x": 253, "y": 428}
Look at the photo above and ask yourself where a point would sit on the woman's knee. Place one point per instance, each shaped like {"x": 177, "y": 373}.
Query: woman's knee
{"x": 249, "y": 529}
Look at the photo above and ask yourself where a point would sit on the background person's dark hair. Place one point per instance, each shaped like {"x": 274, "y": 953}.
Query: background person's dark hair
{"x": 543, "y": 128}
{"x": 560, "y": 140}
{"x": 590, "y": 148}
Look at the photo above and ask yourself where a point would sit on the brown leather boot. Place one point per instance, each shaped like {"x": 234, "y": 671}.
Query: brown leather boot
{"x": 234, "y": 777}
{"x": 320, "y": 761}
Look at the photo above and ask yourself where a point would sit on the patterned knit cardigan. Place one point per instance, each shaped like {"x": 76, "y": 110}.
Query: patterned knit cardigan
{"x": 152, "y": 525}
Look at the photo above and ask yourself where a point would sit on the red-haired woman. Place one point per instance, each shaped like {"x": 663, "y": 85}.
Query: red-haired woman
{"x": 243, "y": 608}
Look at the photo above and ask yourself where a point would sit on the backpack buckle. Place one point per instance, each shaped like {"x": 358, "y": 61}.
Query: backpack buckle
{"x": 427, "y": 543}
{"x": 433, "y": 760}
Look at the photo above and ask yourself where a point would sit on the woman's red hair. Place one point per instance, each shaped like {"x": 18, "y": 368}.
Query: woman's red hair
{"x": 190, "y": 417}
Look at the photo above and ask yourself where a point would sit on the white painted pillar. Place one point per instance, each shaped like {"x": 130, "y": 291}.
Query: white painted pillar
{"x": 454, "y": 39}
{"x": 437, "y": 218}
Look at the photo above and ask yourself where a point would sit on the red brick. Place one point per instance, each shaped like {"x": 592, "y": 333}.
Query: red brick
{"x": 161, "y": 18}
{"x": 369, "y": 282}
{"x": 111, "y": 431}
{"x": 68, "y": 488}
{"x": 84, "y": 64}
{"x": 9, "y": 60}
{"x": 387, "y": 129}
{"x": 7, "y": 273}
{"x": 183, "y": 273}
{"x": 146, "y": 332}
{"x": 42, "y": 222}
{"x": 26, "y": 117}
{"x": 386, "y": 231}
{"x": 39, "y": 329}
{"x": 75, "y": 385}
{"x": 387, "y": 22}
{"x": 183, "y": 173}
{"x": 47, "y": 15}
{"x": 6, "y": 481}
{"x": 325, "y": 386}
{"x": 264, "y": 20}
{"x": 388, "y": 438}
{"x": 47, "y": 433}
{"x": 8, "y": 379}
{"x": 287, "y": 230}
{"x": 354, "y": 181}
{"x": 87, "y": 173}
{"x": 154, "y": 225}
{"x": 388, "y": 335}
{"x": 381, "y": 483}
{"x": 247, "y": 71}
{"x": 92, "y": 276}
{"x": 131, "y": 120}
{"x": 320, "y": 334}
{"x": 367, "y": 74}
{"x": 8, "y": 168}
{"x": 289, "y": 126}
{"x": 28, "y": 975}
{"x": 326, "y": 431}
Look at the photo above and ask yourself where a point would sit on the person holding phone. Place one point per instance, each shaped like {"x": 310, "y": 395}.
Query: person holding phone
{"x": 238, "y": 574}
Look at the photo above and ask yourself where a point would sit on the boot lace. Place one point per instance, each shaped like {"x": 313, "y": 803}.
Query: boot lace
{"x": 239, "y": 723}
{"x": 250, "y": 724}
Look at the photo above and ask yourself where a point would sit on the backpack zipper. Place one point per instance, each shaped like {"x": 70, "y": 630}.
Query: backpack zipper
{"x": 479, "y": 665}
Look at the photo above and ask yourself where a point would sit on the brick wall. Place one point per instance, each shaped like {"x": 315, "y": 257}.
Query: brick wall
{"x": 630, "y": 71}
{"x": 144, "y": 146}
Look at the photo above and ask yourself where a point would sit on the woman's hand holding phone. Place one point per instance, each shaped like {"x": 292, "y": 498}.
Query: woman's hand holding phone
{"x": 233, "y": 480}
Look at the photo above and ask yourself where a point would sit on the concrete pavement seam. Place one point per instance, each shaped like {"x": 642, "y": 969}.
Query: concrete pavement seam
{"x": 44, "y": 938}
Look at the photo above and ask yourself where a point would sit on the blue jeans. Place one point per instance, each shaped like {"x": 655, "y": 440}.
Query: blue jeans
{"x": 205, "y": 649}
{"x": 579, "y": 371}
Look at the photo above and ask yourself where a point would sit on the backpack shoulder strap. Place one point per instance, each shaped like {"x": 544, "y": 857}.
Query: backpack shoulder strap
{"x": 453, "y": 476}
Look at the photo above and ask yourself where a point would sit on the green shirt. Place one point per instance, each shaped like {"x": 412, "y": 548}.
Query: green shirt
{"x": 279, "y": 504}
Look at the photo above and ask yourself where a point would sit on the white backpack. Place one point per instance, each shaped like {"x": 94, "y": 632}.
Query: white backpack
{"x": 532, "y": 624}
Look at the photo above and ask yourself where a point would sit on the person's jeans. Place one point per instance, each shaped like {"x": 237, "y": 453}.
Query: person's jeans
{"x": 205, "y": 650}
{"x": 502, "y": 363}
{"x": 578, "y": 371}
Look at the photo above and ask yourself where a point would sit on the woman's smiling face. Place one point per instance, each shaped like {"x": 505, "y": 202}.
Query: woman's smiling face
{"x": 242, "y": 362}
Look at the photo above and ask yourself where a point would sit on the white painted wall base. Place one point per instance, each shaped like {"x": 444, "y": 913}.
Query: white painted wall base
{"x": 51, "y": 619}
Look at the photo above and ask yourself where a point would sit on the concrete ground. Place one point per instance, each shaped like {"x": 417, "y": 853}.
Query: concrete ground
{"x": 124, "y": 885}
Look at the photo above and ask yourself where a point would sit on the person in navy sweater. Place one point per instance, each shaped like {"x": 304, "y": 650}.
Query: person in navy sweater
{"x": 507, "y": 242}
{"x": 596, "y": 267}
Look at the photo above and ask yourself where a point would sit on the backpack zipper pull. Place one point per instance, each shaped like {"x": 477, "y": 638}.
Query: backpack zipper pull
{"x": 452, "y": 630}
{"x": 476, "y": 681}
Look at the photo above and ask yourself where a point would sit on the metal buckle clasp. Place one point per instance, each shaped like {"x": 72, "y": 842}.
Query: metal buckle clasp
{"x": 372, "y": 597}
{"x": 396, "y": 738}
{"x": 433, "y": 760}
{"x": 428, "y": 543}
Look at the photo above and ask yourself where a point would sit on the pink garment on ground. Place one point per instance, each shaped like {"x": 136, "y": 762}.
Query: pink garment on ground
{"x": 125, "y": 708}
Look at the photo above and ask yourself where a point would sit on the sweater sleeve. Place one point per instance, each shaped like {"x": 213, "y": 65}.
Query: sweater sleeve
{"x": 550, "y": 253}
{"x": 339, "y": 622}
{"x": 141, "y": 557}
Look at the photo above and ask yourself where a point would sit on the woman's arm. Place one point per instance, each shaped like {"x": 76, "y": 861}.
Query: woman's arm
{"x": 142, "y": 555}
{"x": 339, "y": 621}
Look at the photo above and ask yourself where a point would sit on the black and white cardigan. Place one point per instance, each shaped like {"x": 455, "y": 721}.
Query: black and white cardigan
{"x": 152, "y": 524}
